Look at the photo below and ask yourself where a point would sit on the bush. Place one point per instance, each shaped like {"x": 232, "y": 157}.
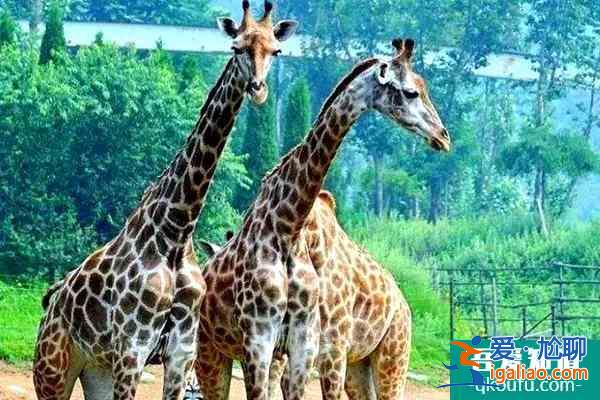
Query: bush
{"x": 80, "y": 140}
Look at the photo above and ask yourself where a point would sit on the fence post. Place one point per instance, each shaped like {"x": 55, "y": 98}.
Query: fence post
{"x": 482, "y": 301}
{"x": 451, "y": 309}
{"x": 561, "y": 293}
{"x": 524, "y": 315}
{"x": 494, "y": 308}
{"x": 553, "y": 316}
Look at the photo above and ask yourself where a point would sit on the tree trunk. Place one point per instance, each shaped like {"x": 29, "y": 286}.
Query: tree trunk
{"x": 483, "y": 167}
{"x": 539, "y": 199}
{"x": 379, "y": 206}
{"x": 415, "y": 208}
{"x": 446, "y": 193}
{"x": 435, "y": 199}
{"x": 540, "y": 175}
{"x": 587, "y": 133}
{"x": 36, "y": 15}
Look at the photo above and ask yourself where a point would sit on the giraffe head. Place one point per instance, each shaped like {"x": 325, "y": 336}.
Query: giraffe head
{"x": 405, "y": 98}
{"x": 255, "y": 44}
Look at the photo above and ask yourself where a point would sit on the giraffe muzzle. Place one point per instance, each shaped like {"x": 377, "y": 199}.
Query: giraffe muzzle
{"x": 440, "y": 141}
{"x": 257, "y": 91}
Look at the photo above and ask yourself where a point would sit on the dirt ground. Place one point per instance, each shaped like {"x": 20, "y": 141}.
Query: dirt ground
{"x": 16, "y": 384}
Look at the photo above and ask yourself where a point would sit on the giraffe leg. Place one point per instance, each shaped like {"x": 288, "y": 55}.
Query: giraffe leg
{"x": 304, "y": 329}
{"x": 257, "y": 362}
{"x": 391, "y": 357}
{"x": 278, "y": 375}
{"x": 213, "y": 370}
{"x": 97, "y": 384}
{"x": 302, "y": 356}
{"x": 57, "y": 363}
{"x": 131, "y": 349}
{"x": 126, "y": 373}
{"x": 183, "y": 337}
{"x": 359, "y": 381}
{"x": 332, "y": 368}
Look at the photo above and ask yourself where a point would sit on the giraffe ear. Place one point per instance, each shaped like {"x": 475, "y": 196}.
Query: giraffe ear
{"x": 383, "y": 74}
{"x": 409, "y": 47}
{"x": 228, "y": 27}
{"x": 208, "y": 248}
{"x": 285, "y": 29}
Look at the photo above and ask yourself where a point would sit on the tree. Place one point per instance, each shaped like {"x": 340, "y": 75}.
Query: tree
{"x": 173, "y": 12}
{"x": 35, "y": 15}
{"x": 377, "y": 137}
{"x": 259, "y": 145}
{"x": 540, "y": 148}
{"x": 79, "y": 143}
{"x": 588, "y": 77}
{"x": 53, "y": 40}
{"x": 8, "y": 28}
{"x": 478, "y": 29}
{"x": 189, "y": 72}
{"x": 297, "y": 115}
{"x": 553, "y": 27}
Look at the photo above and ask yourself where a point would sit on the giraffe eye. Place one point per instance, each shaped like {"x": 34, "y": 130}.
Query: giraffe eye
{"x": 410, "y": 93}
{"x": 237, "y": 50}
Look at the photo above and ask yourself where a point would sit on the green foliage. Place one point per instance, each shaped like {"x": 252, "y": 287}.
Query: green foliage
{"x": 259, "y": 144}
{"x": 297, "y": 115}
{"x": 171, "y": 12}
{"x": 541, "y": 148}
{"x": 492, "y": 243}
{"x": 559, "y": 156}
{"x": 53, "y": 41}
{"x": 80, "y": 142}
{"x": 17, "y": 8}
{"x": 219, "y": 215}
{"x": 189, "y": 72}
{"x": 8, "y": 28}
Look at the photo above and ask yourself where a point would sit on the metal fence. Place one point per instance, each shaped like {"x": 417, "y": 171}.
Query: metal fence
{"x": 551, "y": 315}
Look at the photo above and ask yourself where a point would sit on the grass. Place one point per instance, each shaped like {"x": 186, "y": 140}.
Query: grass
{"x": 20, "y": 312}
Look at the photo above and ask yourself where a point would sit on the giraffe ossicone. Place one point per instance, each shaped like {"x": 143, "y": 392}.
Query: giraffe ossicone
{"x": 139, "y": 296}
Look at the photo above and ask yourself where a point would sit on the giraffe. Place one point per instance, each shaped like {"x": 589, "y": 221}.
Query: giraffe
{"x": 262, "y": 290}
{"x": 365, "y": 319}
{"x": 138, "y": 297}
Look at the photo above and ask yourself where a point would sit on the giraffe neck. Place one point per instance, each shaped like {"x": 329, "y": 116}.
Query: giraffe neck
{"x": 289, "y": 192}
{"x": 175, "y": 202}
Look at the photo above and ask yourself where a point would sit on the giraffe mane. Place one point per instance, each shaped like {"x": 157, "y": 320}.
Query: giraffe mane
{"x": 341, "y": 86}
{"x": 345, "y": 82}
